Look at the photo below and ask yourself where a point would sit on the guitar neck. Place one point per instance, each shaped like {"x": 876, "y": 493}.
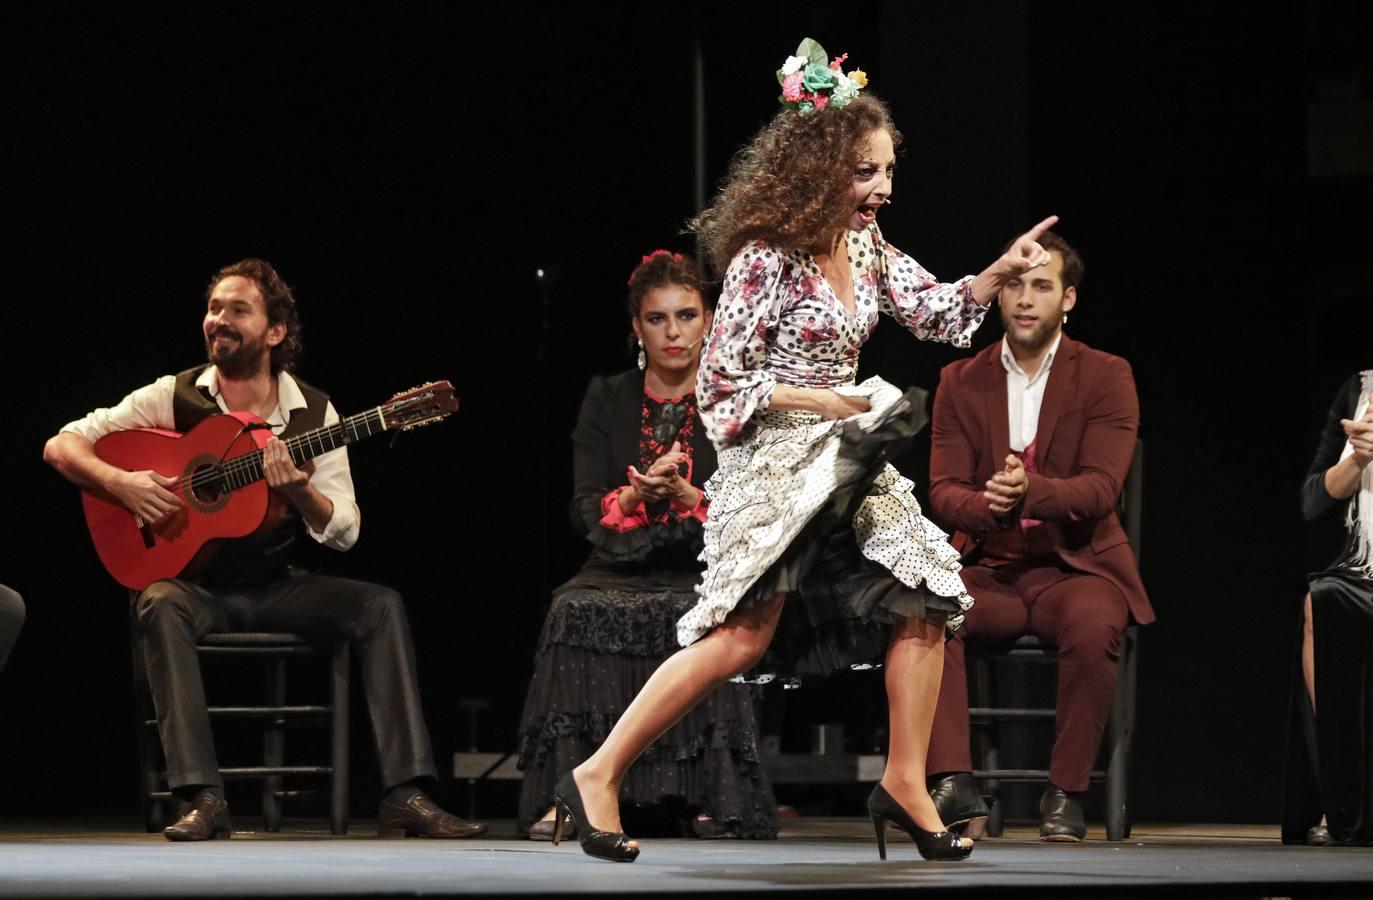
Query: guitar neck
{"x": 244, "y": 470}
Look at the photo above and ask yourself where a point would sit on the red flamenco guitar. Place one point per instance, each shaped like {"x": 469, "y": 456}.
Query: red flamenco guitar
{"x": 218, "y": 465}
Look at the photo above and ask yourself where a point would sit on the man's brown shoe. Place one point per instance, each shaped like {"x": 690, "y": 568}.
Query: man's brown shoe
{"x": 421, "y": 817}
{"x": 208, "y": 818}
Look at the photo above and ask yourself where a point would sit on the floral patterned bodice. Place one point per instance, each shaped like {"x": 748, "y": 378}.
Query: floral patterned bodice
{"x": 779, "y": 322}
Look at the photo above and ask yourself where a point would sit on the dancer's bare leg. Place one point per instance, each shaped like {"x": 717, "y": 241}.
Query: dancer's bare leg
{"x": 915, "y": 663}
{"x": 682, "y": 681}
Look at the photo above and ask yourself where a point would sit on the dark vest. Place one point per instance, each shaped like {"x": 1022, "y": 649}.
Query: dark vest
{"x": 258, "y": 557}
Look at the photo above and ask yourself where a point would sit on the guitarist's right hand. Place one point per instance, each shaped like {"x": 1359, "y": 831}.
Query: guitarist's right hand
{"x": 146, "y": 494}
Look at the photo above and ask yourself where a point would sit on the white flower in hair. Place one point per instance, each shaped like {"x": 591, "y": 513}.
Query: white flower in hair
{"x": 845, "y": 89}
{"x": 793, "y": 65}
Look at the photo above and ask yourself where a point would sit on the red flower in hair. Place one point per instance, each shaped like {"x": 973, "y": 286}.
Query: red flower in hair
{"x": 676, "y": 257}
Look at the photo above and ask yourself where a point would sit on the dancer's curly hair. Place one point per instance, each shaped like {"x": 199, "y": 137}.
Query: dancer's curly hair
{"x": 790, "y": 186}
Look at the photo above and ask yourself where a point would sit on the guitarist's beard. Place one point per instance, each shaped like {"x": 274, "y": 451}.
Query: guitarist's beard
{"x": 243, "y": 361}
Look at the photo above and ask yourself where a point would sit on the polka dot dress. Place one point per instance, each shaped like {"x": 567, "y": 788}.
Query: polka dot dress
{"x": 778, "y": 321}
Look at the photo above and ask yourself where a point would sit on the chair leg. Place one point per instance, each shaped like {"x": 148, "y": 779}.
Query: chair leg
{"x": 987, "y": 741}
{"x": 338, "y": 741}
{"x": 274, "y": 745}
{"x": 996, "y": 810}
{"x": 1132, "y": 687}
{"x": 1120, "y": 733}
{"x": 1115, "y": 775}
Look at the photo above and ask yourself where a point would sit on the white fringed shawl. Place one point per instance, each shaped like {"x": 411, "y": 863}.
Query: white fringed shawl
{"x": 1359, "y": 517}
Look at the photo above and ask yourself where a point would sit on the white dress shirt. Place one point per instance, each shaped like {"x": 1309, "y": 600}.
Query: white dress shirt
{"x": 151, "y": 407}
{"x": 1025, "y": 395}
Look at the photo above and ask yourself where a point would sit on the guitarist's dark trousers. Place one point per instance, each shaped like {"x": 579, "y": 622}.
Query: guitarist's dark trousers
{"x": 11, "y": 619}
{"x": 173, "y": 615}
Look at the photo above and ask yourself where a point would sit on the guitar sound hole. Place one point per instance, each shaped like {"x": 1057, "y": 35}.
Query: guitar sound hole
{"x": 207, "y": 483}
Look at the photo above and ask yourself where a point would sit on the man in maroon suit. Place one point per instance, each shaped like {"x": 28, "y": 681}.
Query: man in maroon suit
{"x": 1032, "y": 439}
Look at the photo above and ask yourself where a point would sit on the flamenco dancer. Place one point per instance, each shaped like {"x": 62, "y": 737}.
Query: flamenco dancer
{"x": 803, "y": 504}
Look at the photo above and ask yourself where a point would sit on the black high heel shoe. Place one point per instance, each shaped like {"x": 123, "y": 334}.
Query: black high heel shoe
{"x": 932, "y": 844}
{"x": 610, "y": 845}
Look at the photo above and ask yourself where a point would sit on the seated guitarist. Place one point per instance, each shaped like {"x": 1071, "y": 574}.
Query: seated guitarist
{"x": 252, "y": 335}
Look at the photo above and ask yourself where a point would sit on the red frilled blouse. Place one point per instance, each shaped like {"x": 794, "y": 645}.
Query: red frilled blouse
{"x": 661, "y": 422}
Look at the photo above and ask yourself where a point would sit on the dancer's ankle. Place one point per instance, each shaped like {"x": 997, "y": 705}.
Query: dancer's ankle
{"x": 899, "y": 786}
{"x": 914, "y": 797}
{"x": 592, "y": 778}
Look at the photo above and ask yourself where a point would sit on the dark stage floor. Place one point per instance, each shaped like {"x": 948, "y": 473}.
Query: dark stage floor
{"x": 64, "y": 858}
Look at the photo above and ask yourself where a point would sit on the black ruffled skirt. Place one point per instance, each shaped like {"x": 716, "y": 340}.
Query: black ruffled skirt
{"x": 604, "y": 636}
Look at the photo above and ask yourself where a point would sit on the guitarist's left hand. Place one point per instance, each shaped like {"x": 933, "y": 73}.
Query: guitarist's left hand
{"x": 281, "y": 472}
{"x": 293, "y": 483}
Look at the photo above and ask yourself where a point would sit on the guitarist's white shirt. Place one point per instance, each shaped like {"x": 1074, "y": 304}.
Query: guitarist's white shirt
{"x": 151, "y": 407}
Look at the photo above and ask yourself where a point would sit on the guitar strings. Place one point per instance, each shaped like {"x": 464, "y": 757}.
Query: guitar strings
{"x": 246, "y": 463}
{"x": 249, "y": 462}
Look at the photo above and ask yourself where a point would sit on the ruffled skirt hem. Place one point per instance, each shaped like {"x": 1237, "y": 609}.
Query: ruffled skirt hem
{"x": 861, "y": 560}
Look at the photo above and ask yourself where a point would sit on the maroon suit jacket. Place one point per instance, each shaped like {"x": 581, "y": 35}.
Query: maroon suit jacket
{"x": 1086, "y": 437}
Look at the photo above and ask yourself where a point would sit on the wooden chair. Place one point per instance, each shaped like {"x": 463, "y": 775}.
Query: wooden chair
{"x": 273, "y": 650}
{"x": 988, "y": 719}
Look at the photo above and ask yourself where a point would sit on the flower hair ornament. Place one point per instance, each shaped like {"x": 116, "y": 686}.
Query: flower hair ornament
{"x": 676, "y": 257}
{"x": 811, "y": 81}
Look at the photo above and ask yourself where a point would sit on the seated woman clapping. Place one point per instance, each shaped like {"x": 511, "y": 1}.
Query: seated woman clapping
{"x": 640, "y": 457}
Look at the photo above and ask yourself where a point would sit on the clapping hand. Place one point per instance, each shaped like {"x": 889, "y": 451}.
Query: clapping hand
{"x": 663, "y": 479}
{"x": 1360, "y": 434}
{"x": 1007, "y": 487}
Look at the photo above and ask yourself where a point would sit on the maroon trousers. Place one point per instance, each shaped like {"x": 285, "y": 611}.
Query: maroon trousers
{"x": 1083, "y": 615}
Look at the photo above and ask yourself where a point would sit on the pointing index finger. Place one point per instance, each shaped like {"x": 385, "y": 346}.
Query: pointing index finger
{"x": 1034, "y": 233}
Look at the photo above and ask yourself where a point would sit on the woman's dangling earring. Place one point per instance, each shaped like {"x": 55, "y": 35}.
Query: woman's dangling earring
{"x": 1065, "y": 318}
{"x": 643, "y": 360}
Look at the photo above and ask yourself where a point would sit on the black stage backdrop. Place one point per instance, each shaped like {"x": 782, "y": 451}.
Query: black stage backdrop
{"x": 409, "y": 173}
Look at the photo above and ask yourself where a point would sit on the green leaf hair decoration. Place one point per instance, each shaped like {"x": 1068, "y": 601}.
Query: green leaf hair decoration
{"x": 811, "y": 82}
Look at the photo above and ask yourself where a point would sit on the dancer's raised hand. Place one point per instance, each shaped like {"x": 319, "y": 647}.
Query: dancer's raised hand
{"x": 1026, "y": 253}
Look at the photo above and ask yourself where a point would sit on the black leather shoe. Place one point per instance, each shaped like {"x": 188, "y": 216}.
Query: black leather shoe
{"x": 422, "y": 817}
{"x": 1060, "y": 816}
{"x": 708, "y": 829}
{"x": 207, "y": 819}
{"x": 960, "y": 805}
